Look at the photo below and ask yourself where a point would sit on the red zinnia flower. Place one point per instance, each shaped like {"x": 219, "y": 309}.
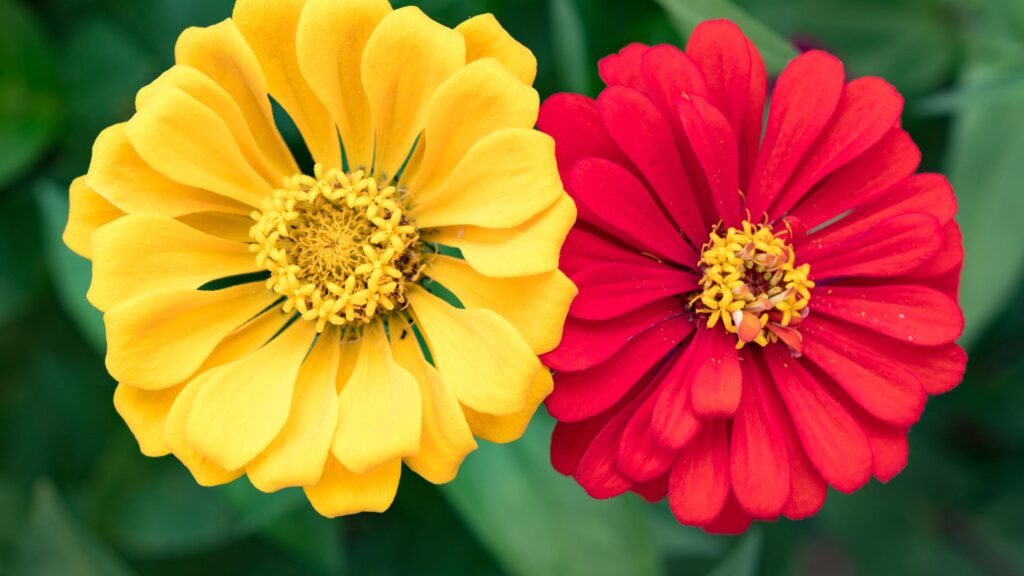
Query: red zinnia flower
{"x": 758, "y": 318}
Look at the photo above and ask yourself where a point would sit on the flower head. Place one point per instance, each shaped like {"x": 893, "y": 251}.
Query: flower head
{"x": 285, "y": 323}
{"x": 759, "y": 317}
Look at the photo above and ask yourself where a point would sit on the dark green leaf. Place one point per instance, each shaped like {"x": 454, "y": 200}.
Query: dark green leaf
{"x": 569, "y": 44}
{"x": 743, "y": 559}
{"x": 539, "y": 523}
{"x": 29, "y": 99}
{"x": 687, "y": 14}
{"x": 105, "y": 66}
{"x": 986, "y": 170}
{"x": 54, "y": 542}
{"x": 21, "y": 272}
{"x": 910, "y": 43}
{"x": 71, "y": 273}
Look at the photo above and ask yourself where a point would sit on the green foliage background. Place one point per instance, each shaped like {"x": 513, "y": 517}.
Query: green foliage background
{"x": 76, "y": 497}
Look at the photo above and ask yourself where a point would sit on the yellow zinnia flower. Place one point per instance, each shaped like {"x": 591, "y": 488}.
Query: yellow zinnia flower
{"x": 267, "y": 322}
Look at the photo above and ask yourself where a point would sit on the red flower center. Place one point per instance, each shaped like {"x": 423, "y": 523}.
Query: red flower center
{"x": 752, "y": 284}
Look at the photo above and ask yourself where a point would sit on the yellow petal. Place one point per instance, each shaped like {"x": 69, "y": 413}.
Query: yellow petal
{"x": 221, "y": 53}
{"x": 145, "y": 412}
{"x": 485, "y": 38}
{"x": 298, "y": 455}
{"x": 330, "y": 38}
{"x": 407, "y": 57}
{"x": 508, "y": 428}
{"x": 478, "y": 353}
{"x": 189, "y": 143}
{"x": 479, "y": 99}
{"x": 269, "y": 26}
{"x": 535, "y": 305}
{"x": 504, "y": 179}
{"x": 231, "y": 227}
{"x": 531, "y": 248}
{"x": 205, "y": 471}
{"x": 159, "y": 339}
{"x": 120, "y": 175}
{"x": 139, "y": 254}
{"x": 208, "y": 93}
{"x": 243, "y": 405}
{"x": 446, "y": 437}
{"x": 341, "y": 492}
{"x": 88, "y": 211}
{"x": 378, "y": 409}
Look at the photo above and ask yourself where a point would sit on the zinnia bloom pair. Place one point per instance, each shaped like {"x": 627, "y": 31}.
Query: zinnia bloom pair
{"x": 755, "y": 320}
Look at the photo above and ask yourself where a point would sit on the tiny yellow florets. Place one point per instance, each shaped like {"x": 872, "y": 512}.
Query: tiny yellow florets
{"x": 752, "y": 285}
{"x": 338, "y": 246}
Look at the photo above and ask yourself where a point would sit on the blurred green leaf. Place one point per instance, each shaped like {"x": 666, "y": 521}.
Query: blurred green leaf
{"x": 54, "y": 542}
{"x": 569, "y": 43}
{"x": 20, "y": 271}
{"x": 687, "y": 14}
{"x": 986, "y": 170}
{"x": 742, "y": 559}
{"x": 29, "y": 100}
{"x": 71, "y": 273}
{"x": 105, "y": 66}
{"x": 678, "y": 540}
{"x": 911, "y": 43}
{"x": 539, "y": 523}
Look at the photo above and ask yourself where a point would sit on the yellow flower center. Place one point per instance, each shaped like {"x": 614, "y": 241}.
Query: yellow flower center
{"x": 751, "y": 283}
{"x": 338, "y": 246}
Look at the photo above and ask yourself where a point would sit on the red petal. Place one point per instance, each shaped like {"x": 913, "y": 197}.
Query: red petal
{"x": 905, "y": 312}
{"x": 834, "y": 442}
{"x": 732, "y": 521}
{"x": 938, "y": 368}
{"x": 758, "y": 464}
{"x": 736, "y": 82}
{"x": 580, "y": 395}
{"x": 807, "y": 488}
{"x": 587, "y": 343}
{"x": 922, "y": 193}
{"x": 699, "y": 482}
{"x": 613, "y": 289}
{"x": 889, "y": 448}
{"x": 652, "y": 490}
{"x": 868, "y": 109}
{"x": 583, "y": 249}
{"x": 623, "y": 207}
{"x": 887, "y": 390}
{"x": 892, "y": 159}
{"x": 949, "y": 258}
{"x": 673, "y": 422}
{"x": 750, "y": 135}
{"x": 575, "y": 124}
{"x": 641, "y": 456}
{"x": 570, "y": 441}
{"x": 715, "y": 374}
{"x": 804, "y": 99}
{"x": 893, "y": 247}
{"x": 668, "y": 72}
{"x": 598, "y": 473}
{"x": 646, "y": 137}
{"x": 623, "y": 69}
{"x": 714, "y": 144}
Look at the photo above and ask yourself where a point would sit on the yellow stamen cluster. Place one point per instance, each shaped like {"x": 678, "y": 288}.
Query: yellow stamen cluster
{"x": 338, "y": 246}
{"x": 752, "y": 284}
